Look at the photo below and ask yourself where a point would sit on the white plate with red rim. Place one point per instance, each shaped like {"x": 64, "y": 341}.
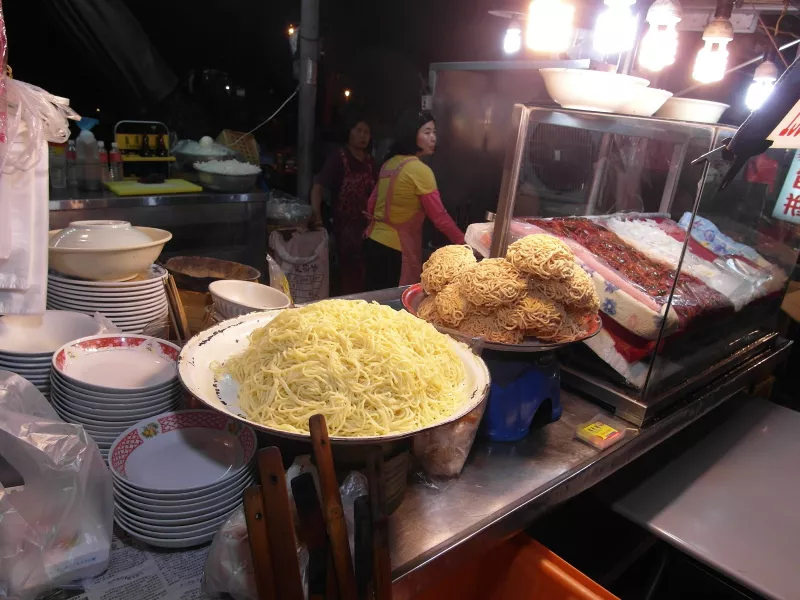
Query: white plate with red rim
{"x": 182, "y": 451}
{"x": 175, "y": 520}
{"x": 80, "y": 394}
{"x": 112, "y": 418}
{"x": 81, "y": 405}
{"x": 117, "y": 362}
{"x": 26, "y": 336}
{"x": 188, "y": 542}
{"x": 139, "y": 320}
{"x": 218, "y": 492}
{"x": 171, "y": 531}
{"x": 134, "y": 295}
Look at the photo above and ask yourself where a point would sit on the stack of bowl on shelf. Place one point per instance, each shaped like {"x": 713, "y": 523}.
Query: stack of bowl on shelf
{"x": 107, "y": 266}
{"x": 109, "y": 382}
{"x": 130, "y": 305}
{"x": 178, "y": 476}
{"x": 27, "y": 343}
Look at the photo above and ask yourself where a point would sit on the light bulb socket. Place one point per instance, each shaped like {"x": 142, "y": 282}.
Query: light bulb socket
{"x": 719, "y": 29}
{"x": 664, "y": 12}
{"x": 766, "y": 70}
{"x": 724, "y": 10}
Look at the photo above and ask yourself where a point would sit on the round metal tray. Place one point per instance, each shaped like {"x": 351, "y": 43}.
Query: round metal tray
{"x": 414, "y": 294}
{"x": 231, "y": 337}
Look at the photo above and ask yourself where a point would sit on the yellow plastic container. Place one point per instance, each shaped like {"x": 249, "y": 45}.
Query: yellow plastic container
{"x": 518, "y": 569}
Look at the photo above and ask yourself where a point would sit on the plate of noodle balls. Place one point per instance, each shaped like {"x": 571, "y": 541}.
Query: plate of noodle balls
{"x": 375, "y": 373}
{"x": 535, "y": 299}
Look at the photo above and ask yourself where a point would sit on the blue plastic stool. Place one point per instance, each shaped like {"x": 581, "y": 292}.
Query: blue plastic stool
{"x": 521, "y": 384}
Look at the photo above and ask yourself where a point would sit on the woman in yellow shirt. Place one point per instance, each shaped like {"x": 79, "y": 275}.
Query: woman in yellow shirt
{"x": 405, "y": 194}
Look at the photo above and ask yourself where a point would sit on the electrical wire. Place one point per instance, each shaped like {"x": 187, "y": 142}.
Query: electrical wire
{"x": 269, "y": 118}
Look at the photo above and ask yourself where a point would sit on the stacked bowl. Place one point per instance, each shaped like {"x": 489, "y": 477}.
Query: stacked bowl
{"x": 178, "y": 476}
{"x": 110, "y": 382}
{"x": 130, "y": 305}
{"x": 27, "y": 343}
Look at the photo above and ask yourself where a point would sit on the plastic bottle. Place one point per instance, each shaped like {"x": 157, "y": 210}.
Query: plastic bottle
{"x": 115, "y": 162}
{"x": 103, "y": 157}
{"x": 72, "y": 165}
{"x": 58, "y": 165}
{"x": 88, "y": 159}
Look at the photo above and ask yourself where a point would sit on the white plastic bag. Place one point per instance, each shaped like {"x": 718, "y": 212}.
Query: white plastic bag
{"x": 304, "y": 259}
{"x": 57, "y": 526}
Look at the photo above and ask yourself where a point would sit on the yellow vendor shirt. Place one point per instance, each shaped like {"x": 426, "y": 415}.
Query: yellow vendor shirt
{"x": 416, "y": 179}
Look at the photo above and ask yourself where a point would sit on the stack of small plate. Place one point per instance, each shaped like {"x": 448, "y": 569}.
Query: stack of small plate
{"x": 130, "y": 305}
{"x": 107, "y": 383}
{"x": 27, "y": 343}
{"x": 178, "y": 476}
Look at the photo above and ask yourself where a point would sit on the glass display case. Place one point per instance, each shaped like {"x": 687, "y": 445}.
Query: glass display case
{"x": 690, "y": 279}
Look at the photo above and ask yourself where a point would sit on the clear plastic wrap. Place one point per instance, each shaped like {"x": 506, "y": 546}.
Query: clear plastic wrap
{"x": 57, "y": 527}
{"x": 284, "y": 210}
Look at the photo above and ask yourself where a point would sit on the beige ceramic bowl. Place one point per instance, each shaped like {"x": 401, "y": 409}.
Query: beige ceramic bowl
{"x": 691, "y": 109}
{"x": 108, "y": 264}
{"x": 235, "y": 298}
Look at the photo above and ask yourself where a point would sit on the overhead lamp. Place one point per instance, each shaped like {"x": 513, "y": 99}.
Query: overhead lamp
{"x": 347, "y": 94}
{"x": 615, "y": 29}
{"x": 660, "y": 44}
{"x": 763, "y": 81}
{"x": 549, "y": 26}
{"x": 712, "y": 60}
{"x": 512, "y": 42}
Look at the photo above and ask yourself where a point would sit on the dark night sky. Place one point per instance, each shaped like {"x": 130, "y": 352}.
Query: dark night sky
{"x": 377, "y": 48}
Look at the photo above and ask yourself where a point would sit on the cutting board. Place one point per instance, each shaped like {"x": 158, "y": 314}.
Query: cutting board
{"x": 134, "y": 188}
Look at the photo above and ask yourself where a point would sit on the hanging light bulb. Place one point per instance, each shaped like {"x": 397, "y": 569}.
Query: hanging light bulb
{"x": 615, "y": 29}
{"x": 549, "y": 26}
{"x": 763, "y": 81}
{"x": 512, "y": 43}
{"x": 660, "y": 44}
{"x": 712, "y": 59}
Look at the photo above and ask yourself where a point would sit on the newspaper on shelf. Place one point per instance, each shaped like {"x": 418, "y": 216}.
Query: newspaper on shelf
{"x": 139, "y": 572}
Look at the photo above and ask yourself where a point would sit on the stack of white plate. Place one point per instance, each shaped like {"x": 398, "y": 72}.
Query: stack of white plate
{"x": 178, "y": 476}
{"x": 27, "y": 343}
{"x": 107, "y": 383}
{"x": 130, "y": 305}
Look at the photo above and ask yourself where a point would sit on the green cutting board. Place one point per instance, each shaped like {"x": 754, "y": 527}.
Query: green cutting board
{"x": 134, "y": 188}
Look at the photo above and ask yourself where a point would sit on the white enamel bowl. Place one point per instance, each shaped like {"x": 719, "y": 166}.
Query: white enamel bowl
{"x": 599, "y": 91}
{"x": 690, "y": 109}
{"x": 646, "y": 102}
{"x": 108, "y": 264}
{"x": 99, "y": 235}
{"x": 224, "y": 340}
{"x": 233, "y": 298}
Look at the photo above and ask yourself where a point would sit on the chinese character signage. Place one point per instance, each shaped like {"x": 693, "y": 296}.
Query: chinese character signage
{"x": 787, "y": 133}
{"x": 787, "y": 208}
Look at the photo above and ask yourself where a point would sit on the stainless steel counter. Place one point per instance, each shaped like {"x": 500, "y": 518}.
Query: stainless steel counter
{"x": 226, "y": 226}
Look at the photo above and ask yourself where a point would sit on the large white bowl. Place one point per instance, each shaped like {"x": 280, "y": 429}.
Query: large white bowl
{"x": 43, "y": 335}
{"x": 646, "y": 102}
{"x": 234, "y": 298}
{"x": 188, "y": 542}
{"x": 599, "y": 91}
{"x": 690, "y": 109}
{"x": 106, "y": 235}
{"x": 167, "y": 505}
{"x": 108, "y": 264}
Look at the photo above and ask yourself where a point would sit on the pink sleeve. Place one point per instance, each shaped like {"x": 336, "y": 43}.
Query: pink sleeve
{"x": 436, "y": 212}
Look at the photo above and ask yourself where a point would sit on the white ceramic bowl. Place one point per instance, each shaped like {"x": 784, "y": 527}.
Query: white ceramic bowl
{"x": 646, "y": 102}
{"x": 188, "y": 542}
{"x": 106, "y": 235}
{"x": 599, "y": 91}
{"x": 166, "y": 505}
{"x": 234, "y": 298}
{"x": 121, "y": 396}
{"x": 108, "y": 264}
{"x": 690, "y": 109}
{"x": 42, "y": 335}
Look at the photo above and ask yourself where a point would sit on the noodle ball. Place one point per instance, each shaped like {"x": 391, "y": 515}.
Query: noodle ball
{"x": 542, "y": 255}
{"x": 576, "y": 291}
{"x": 451, "y": 305}
{"x": 573, "y": 327}
{"x": 539, "y": 316}
{"x": 444, "y": 265}
{"x": 427, "y": 310}
{"x": 492, "y": 283}
{"x": 488, "y": 328}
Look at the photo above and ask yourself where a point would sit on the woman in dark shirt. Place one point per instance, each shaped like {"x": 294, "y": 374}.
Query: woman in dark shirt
{"x": 349, "y": 174}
